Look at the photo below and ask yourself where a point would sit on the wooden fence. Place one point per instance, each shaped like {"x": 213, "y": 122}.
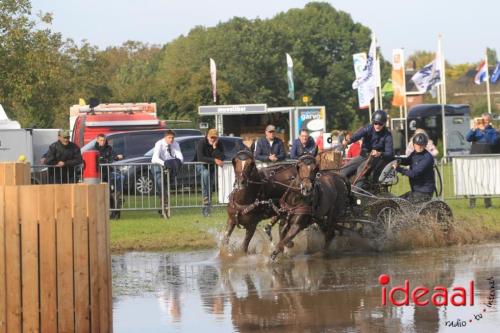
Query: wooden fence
{"x": 55, "y": 269}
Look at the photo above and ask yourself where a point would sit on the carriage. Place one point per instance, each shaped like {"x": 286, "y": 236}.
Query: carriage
{"x": 375, "y": 212}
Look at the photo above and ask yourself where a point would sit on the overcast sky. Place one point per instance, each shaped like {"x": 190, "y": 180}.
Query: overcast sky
{"x": 468, "y": 27}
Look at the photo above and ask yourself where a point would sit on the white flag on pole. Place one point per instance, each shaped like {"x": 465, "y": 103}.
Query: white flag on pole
{"x": 365, "y": 93}
{"x": 213, "y": 76}
{"x": 428, "y": 77}
{"x": 367, "y": 76}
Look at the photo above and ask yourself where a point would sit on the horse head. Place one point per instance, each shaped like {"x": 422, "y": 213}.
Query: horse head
{"x": 243, "y": 166}
{"x": 307, "y": 170}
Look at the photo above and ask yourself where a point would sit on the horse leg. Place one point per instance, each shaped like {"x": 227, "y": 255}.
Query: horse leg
{"x": 295, "y": 228}
{"x": 329, "y": 232}
{"x": 268, "y": 228}
{"x": 250, "y": 230}
{"x": 229, "y": 230}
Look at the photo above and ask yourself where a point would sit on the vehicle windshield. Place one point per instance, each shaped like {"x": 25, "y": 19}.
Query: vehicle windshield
{"x": 149, "y": 153}
{"x": 89, "y": 146}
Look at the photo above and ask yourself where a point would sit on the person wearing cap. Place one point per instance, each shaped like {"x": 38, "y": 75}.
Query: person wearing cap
{"x": 210, "y": 151}
{"x": 65, "y": 157}
{"x": 304, "y": 145}
{"x": 270, "y": 148}
{"x": 377, "y": 149}
{"x": 421, "y": 171}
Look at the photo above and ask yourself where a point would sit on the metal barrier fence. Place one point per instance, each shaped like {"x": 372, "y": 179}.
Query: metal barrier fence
{"x": 146, "y": 186}
{"x": 468, "y": 176}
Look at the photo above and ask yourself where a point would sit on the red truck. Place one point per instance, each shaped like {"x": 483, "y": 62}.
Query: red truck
{"x": 87, "y": 122}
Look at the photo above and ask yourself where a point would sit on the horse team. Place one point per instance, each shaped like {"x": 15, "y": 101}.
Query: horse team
{"x": 292, "y": 195}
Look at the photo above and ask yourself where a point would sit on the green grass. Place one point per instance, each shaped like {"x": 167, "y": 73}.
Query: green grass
{"x": 187, "y": 229}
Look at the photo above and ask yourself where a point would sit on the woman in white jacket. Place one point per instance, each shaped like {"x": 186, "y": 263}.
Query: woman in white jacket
{"x": 431, "y": 148}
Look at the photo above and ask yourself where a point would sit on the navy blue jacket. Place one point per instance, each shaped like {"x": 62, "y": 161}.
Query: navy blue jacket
{"x": 263, "y": 149}
{"x": 421, "y": 172}
{"x": 299, "y": 150}
{"x": 488, "y": 136}
{"x": 372, "y": 140}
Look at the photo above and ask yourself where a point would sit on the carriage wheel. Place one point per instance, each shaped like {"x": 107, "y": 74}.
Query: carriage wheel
{"x": 386, "y": 216}
{"x": 439, "y": 212}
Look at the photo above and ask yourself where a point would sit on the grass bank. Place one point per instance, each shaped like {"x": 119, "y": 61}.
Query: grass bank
{"x": 187, "y": 229}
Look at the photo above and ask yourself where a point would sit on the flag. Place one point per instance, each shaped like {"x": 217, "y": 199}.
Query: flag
{"x": 482, "y": 73}
{"x": 213, "y": 76}
{"x": 367, "y": 76}
{"x": 365, "y": 92}
{"x": 289, "y": 74}
{"x": 428, "y": 77}
{"x": 496, "y": 73}
{"x": 398, "y": 72}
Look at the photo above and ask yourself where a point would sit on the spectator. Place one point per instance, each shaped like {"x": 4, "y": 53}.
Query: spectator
{"x": 166, "y": 153}
{"x": 421, "y": 171}
{"x": 65, "y": 157}
{"x": 431, "y": 148}
{"x": 210, "y": 151}
{"x": 304, "y": 145}
{"x": 320, "y": 141}
{"x": 107, "y": 156}
{"x": 354, "y": 149}
{"x": 377, "y": 143}
{"x": 484, "y": 138}
{"x": 270, "y": 148}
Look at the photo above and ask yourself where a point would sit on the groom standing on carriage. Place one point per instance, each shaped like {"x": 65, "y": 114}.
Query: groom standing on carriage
{"x": 376, "y": 151}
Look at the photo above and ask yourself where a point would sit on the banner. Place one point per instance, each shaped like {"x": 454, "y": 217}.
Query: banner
{"x": 398, "y": 72}
{"x": 365, "y": 92}
{"x": 289, "y": 74}
{"x": 476, "y": 175}
{"x": 213, "y": 76}
{"x": 428, "y": 77}
{"x": 311, "y": 118}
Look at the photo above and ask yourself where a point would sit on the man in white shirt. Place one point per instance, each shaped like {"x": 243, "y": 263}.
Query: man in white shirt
{"x": 167, "y": 153}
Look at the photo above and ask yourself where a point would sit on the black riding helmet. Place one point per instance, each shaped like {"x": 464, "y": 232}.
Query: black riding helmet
{"x": 420, "y": 139}
{"x": 379, "y": 116}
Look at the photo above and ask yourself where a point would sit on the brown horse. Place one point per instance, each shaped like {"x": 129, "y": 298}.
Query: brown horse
{"x": 296, "y": 203}
{"x": 247, "y": 205}
{"x": 313, "y": 197}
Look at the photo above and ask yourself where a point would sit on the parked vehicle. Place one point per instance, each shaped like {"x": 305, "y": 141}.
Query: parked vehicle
{"x": 87, "y": 121}
{"x": 457, "y": 121}
{"x": 136, "y": 143}
{"x": 141, "y": 177}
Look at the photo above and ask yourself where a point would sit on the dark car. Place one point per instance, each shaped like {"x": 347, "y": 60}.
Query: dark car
{"x": 137, "y": 143}
{"x": 140, "y": 177}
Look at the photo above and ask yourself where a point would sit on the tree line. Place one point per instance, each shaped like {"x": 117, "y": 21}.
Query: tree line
{"x": 43, "y": 73}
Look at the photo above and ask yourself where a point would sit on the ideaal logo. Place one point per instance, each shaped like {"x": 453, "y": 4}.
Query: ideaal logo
{"x": 438, "y": 296}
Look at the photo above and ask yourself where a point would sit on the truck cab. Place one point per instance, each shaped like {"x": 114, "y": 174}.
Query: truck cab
{"x": 87, "y": 122}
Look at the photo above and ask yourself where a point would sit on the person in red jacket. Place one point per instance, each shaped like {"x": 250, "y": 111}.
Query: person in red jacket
{"x": 354, "y": 148}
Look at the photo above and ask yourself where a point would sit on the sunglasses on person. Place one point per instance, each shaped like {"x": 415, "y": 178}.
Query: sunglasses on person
{"x": 66, "y": 137}
{"x": 378, "y": 123}
{"x": 271, "y": 131}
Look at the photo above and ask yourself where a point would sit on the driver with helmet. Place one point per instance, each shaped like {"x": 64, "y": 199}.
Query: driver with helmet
{"x": 421, "y": 171}
{"x": 376, "y": 151}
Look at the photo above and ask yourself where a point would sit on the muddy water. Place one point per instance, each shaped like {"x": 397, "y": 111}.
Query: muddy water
{"x": 204, "y": 292}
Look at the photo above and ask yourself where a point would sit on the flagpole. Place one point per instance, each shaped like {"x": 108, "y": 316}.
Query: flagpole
{"x": 376, "y": 106}
{"x": 405, "y": 105}
{"x": 487, "y": 82}
{"x": 442, "y": 93}
{"x": 381, "y": 101}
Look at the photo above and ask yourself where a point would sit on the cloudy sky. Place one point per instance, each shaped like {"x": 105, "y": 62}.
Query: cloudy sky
{"x": 468, "y": 27}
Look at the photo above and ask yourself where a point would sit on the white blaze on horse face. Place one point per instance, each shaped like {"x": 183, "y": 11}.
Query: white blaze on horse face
{"x": 243, "y": 165}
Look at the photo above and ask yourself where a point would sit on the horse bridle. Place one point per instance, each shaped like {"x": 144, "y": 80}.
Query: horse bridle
{"x": 242, "y": 176}
{"x": 311, "y": 177}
